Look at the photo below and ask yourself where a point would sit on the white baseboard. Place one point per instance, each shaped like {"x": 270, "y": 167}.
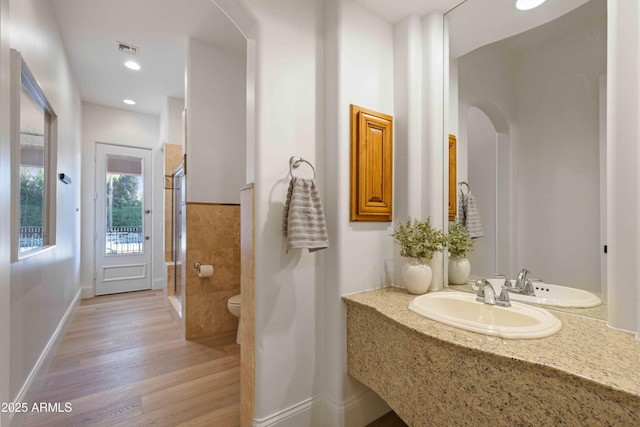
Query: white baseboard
{"x": 43, "y": 362}
{"x": 88, "y": 291}
{"x": 301, "y": 414}
{"x": 158, "y": 283}
{"x": 359, "y": 410}
{"x": 322, "y": 411}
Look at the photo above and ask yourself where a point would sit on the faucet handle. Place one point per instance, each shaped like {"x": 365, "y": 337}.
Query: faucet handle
{"x": 529, "y": 289}
{"x": 507, "y": 280}
{"x": 503, "y": 299}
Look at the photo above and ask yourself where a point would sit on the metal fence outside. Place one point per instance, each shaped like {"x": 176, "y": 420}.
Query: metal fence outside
{"x": 30, "y": 237}
{"x": 124, "y": 240}
{"x": 119, "y": 240}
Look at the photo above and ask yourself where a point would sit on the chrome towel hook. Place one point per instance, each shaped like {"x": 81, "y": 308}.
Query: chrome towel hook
{"x": 294, "y": 163}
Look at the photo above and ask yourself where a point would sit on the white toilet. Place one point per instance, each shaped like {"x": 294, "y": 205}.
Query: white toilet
{"x": 234, "y": 308}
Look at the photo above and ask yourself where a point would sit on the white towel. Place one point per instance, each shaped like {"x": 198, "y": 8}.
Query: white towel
{"x": 303, "y": 223}
{"x": 469, "y": 217}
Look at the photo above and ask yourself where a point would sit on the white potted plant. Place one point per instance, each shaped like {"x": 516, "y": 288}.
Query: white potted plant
{"x": 459, "y": 245}
{"x": 418, "y": 242}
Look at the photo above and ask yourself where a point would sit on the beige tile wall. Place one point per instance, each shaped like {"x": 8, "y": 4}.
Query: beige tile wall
{"x": 171, "y": 274}
{"x": 247, "y": 340}
{"x": 213, "y": 237}
{"x": 172, "y": 159}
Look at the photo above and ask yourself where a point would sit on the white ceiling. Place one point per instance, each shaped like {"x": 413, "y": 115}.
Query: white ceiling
{"x": 394, "y": 10}
{"x": 91, "y": 30}
{"x": 473, "y": 23}
{"x": 478, "y": 23}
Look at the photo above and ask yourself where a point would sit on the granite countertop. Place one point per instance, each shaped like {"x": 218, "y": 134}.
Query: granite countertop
{"x": 584, "y": 347}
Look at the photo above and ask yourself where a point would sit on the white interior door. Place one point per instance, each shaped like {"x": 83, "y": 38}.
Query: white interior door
{"x": 123, "y": 219}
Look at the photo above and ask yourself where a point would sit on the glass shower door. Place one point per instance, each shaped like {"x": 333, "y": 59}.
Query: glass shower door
{"x": 179, "y": 231}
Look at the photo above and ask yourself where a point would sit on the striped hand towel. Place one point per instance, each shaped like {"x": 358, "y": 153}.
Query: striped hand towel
{"x": 303, "y": 223}
{"x": 462, "y": 209}
{"x": 471, "y": 216}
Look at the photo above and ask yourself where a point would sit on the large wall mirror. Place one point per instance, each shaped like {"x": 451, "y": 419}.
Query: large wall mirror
{"x": 527, "y": 104}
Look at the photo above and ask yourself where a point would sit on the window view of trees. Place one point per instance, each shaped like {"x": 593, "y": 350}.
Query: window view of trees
{"x": 126, "y": 203}
{"x": 31, "y": 196}
{"x": 32, "y": 193}
{"x": 124, "y": 214}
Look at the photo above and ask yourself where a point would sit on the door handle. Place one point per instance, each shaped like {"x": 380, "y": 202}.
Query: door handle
{"x": 146, "y": 237}
{"x": 147, "y": 211}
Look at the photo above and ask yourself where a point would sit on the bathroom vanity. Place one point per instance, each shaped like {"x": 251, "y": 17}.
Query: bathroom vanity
{"x": 432, "y": 374}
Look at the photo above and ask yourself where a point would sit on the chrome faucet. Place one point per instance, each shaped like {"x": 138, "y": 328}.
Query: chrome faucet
{"x": 521, "y": 281}
{"x": 523, "y": 285}
{"x": 486, "y": 294}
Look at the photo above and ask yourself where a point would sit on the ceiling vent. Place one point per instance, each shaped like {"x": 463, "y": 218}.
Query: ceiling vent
{"x": 128, "y": 49}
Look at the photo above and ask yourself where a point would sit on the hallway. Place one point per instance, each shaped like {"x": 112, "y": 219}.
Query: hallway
{"x": 124, "y": 362}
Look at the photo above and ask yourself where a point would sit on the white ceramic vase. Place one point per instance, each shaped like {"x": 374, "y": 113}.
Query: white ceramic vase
{"x": 416, "y": 276}
{"x": 459, "y": 270}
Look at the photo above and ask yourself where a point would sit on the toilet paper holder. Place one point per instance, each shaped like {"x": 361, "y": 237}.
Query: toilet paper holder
{"x": 203, "y": 270}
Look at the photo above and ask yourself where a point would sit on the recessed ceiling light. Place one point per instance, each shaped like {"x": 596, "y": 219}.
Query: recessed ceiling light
{"x": 132, "y": 65}
{"x": 129, "y": 101}
{"x": 528, "y": 4}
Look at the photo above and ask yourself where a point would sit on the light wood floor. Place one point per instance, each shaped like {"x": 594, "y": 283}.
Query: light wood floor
{"x": 124, "y": 362}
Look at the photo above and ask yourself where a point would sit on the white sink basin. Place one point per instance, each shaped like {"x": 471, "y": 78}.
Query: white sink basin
{"x": 551, "y": 295}
{"x": 461, "y": 310}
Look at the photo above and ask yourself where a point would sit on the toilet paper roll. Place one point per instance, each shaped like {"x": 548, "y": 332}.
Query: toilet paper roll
{"x": 205, "y": 271}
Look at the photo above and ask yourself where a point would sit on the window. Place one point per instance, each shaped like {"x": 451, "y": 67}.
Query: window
{"x": 33, "y": 133}
{"x": 124, "y": 196}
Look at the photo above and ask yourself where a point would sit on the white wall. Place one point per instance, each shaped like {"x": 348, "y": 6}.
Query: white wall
{"x": 5, "y": 212}
{"x": 545, "y": 99}
{"x": 171, "y": 127}
{"x": 302, "y": 109}
{"x": 360, "y": 251}
{"x": 488, "y": 82}
{"x": 44, "y": 286}
{"x": 120, "y": 127}
{"x": 288, "y": 287}
{"x": 434, "y": 169}
{"x": 216, "y": 124}
{"x": 558, "y": 157}
{"x": 482, "y": 179}
{"x": 623, "y": 180}
{"x": 407, "y": 57}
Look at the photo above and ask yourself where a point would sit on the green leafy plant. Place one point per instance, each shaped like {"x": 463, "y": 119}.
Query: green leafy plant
{"x": 460, "y": 244}
{"x": 418, "y": 239}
